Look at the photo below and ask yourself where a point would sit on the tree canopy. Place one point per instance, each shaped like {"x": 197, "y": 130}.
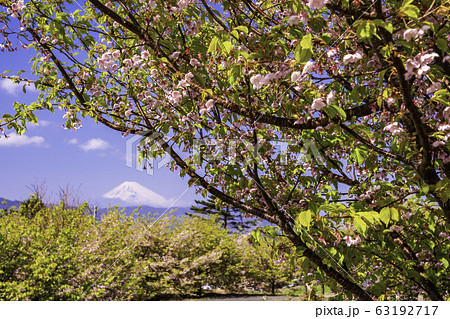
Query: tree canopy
{"x": 229, "y": 217}
{"x": 327, "y": 118}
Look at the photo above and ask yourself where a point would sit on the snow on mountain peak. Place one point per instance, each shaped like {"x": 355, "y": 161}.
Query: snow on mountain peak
{"x": 135, "y": 194}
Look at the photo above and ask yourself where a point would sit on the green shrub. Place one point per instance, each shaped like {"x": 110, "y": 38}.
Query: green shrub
{"x": 63, "y": 254}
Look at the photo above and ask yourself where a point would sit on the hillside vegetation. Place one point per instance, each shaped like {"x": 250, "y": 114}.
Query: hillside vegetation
{"x": 64, "y": 254}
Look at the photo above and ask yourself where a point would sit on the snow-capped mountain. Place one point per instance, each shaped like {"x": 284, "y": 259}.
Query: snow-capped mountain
{"x": 132, "y": 193}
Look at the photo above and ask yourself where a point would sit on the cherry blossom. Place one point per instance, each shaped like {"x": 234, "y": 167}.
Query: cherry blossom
{"x": 296, "y": 76}
{"x": 419, "y": 64}
{"x": 410, "y": 34}
{"x": 308, "y": 67}
{"x": 116, "y": 54}
{"x": 331, "y": 97}
{"x": 317, "y": 4}
{"x": 175, "y": 97}
{"x": 318, "y": 104}
{"x": 195, "y": 63}
{"x": 394, "y": 128}
{"x": 446, "y": 112}
{"x": 183, "y": 4}
{"x": 352, "y": 58}
{"x": 210, "y": 104}
{"x": 259, "y": 81}
{"x": 438, "y": 144}
{"x": 332, "y": 52}
{"x": 293, "y": 20}
{"x": 435, "y": 86}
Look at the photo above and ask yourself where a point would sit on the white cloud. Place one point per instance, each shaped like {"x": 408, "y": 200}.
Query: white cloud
{"x": 44, "y": 123}
{"x": 41, "y": 123}
{"x": 14, "y": 88}
{"x": 95, "y": 144}
{"x": 15, "y": 139}
{"x": 73, "y": 141}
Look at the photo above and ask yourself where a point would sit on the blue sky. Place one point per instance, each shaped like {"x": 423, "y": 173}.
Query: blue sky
{"x": 91, "y": 160}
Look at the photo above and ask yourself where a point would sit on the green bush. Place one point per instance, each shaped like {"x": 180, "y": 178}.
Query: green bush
{"x": 63, "y": 254}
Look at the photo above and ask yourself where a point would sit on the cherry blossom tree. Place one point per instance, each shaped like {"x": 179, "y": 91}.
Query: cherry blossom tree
{"x": 329, "y": 119}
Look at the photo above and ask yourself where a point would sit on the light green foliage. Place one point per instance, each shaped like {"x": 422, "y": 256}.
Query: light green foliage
{"x": 61, "y": 254}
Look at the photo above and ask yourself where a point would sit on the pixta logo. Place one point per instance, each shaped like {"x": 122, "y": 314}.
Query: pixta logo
{"x": 141, "y": 153}
{"x": 144, "y": 151}
{"x": 247, "y": 152}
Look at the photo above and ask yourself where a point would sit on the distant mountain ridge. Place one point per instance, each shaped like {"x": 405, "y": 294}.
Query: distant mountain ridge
{"x": 134, "y": 194}
{"x": 128, "y": 210}
{"x": 135, "y": 210}
{"x": 6, "y": 203}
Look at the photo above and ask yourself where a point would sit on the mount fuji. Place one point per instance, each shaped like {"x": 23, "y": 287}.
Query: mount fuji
{"x": 132, "y": 193}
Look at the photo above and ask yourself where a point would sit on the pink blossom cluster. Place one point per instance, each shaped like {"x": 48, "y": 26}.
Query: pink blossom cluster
{"x": 317, "y": 4}
{"x": 16, "y": 8}
{"x": 444, "y": 157}
{"x": 181, "y": 5}
{"x": 394, "y": 128}
{"x": 435, "y": 86}
{"x": 419, "y": 65}
{"x": 208, "y": 106}
{"x": 295, "y": 19}
{"x": 175, "y": 97}
{"x": 351, "y": 58}
{"x": 259, "y": 80}
{"x": 410, "y": 34}
{"x": 184, "y": 83}
{"x": 96, "y": 89}
{"x": 105, "y": 62}
{"x": 318, "y": 104}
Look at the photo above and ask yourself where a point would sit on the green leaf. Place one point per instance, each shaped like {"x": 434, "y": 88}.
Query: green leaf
{"x": 412, "y": 12}
{"x": 234, "y": 73}
{"x": 331, "y": 111}
{"x": 389, "y": 213}
{"x": 242, "y": 29}
{"x": 305, "y": 56}
{"x": 227, "y": 46}
{"x": 359, "y": 156}
{"x": 384, "y": 24}
{"x": 409, "y": 10}
{"x": 213, "y": 45}
{"x": 303, "y": 50}
{"x": 445, "y": 262}
{"x": 381, "y": 77}
{"x": 355, "y": 95}
{"x": 370, "y": 217}
{"x": 406, "y": 3}
{"x": 442, "y": 96}
{"x": 360, "y": 225}
{"x": 366, "y": 29}
{"x": 442, "y": 44}
{"x": 425, "y": 188}
{"x": 385, "y": 215}
{"x": 306, "y": 42}
{"x": 256, "y": 235}
{"x": 340, "y": 111}
{"x": 20, "y": 72}
{"x": 326, "y": 37}
{"x": 298, "y": 52}
{"x": 304, "y": 218}
{"x": 395, "y": 216}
